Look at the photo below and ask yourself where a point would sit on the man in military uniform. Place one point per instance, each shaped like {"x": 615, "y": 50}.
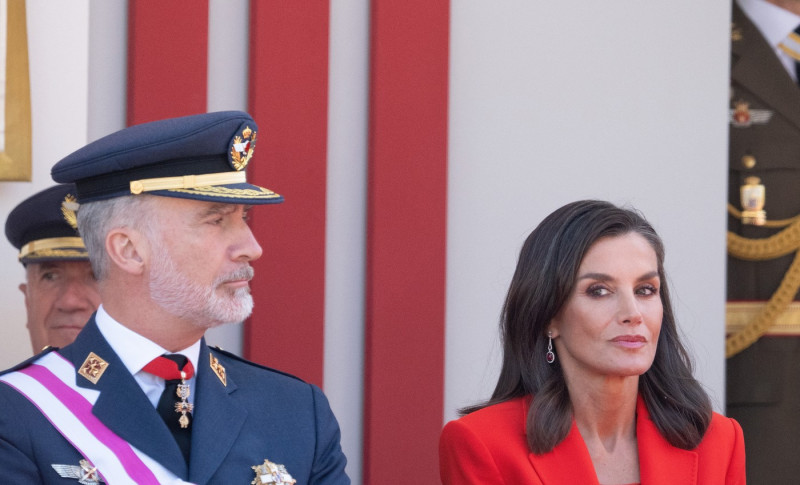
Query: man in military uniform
{"x": 763, "y": 369}
{"x": 139, "y": 397}
{"x": 60, "y": 289}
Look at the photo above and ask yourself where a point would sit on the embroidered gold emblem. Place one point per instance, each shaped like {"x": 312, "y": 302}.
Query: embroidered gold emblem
{"x": 242, "y": 148}
{"x": 218, "y": 369}
{"x": 260, "y": 193}
{"x": 68, "y": 208}
{"x": 273, "y": 473}
{"x": 93, "y": 368}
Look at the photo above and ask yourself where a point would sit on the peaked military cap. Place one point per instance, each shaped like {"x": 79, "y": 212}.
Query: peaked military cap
{"x": 43, "y": 227}
{"x": 200, "y": 157}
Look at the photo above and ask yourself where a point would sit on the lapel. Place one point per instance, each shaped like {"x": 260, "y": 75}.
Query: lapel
{"x": 660, "y": 463}
{"x": 755, "y": 67}
{"x": 569, "y": 462}
{"x": 122, "y": 406}
{"x": 218, "y": 419}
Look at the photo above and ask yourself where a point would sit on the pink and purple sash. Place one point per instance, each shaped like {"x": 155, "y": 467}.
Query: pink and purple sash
{"x": 49, "y": 384}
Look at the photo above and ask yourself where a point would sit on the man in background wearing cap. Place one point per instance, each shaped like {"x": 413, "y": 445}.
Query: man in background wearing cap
{"x": 139, "y": 397}
{"x": 60, "y": 289}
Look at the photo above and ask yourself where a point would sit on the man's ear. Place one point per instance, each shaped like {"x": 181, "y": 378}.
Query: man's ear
{"x": 127, "y": 249}
{"x": 23, "y": 287}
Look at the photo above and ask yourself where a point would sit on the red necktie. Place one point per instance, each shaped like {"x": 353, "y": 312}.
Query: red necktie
{"x": 166, "y": 367}
{"x": 175, "y": 369}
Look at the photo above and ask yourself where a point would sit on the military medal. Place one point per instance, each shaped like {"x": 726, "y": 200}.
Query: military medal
{"x": 183, "y": 406}
{"x": 273, "y": 473}
{"x": 753, "y": 194}
{"x": 86, "y": 474}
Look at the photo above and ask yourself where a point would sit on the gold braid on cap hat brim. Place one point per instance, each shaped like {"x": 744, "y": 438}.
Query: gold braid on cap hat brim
{"x": 54, "y": 246}
{"x": 780, "y": 244}
{"x": 186, "y": 181}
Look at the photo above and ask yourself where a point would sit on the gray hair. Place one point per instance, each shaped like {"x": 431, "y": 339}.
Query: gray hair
{"x": 96, "y": 219}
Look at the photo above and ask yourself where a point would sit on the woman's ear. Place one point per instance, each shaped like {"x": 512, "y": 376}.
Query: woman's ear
{"x": 552, "y": 328}
{"x": 127, "y": 249}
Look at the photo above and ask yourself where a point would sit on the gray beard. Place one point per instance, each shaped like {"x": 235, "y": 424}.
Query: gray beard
{"x": 202, "y": 305}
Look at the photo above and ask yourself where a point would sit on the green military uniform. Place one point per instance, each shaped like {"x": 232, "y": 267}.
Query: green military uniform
{"x": 763, "y": 378}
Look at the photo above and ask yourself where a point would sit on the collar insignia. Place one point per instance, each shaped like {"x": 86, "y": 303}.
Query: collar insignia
{"x": 272, "y": 473}
{"x": 93, "y": 367}
{"x": 736, "y": 32}
{"x": 86, "y": 474}
{"x": 68, "y": 208}
{"x": 242, "y": 148}
{"x": 218, "y": 369}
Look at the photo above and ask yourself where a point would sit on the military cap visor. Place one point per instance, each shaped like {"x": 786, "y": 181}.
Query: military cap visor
{"x": 43, "y": 227}
{"x": 201, "y": 157}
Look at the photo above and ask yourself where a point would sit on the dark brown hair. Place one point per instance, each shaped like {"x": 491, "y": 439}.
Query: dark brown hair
{"x": 542, "y": 282}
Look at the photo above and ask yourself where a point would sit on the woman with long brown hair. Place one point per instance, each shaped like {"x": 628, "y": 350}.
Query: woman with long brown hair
{"x": 595, "y": 386}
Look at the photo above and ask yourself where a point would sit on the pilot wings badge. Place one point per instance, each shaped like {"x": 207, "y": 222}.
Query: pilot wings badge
{"x": 742, "y": 115}
{"x": 272, "y": 473}
{"x": 86, "y": 474}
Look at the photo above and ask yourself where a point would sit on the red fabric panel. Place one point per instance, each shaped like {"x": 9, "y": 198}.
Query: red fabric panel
{"x": 406, "y": 240}
{"x": 167, "y": 59}
{"x": 288, "y": 95}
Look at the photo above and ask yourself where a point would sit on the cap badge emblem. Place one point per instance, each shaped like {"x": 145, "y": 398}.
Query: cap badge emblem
{"x": 272, "y": 473}
{"x": 242, "y": 148}
{"x": 68, "y": 208}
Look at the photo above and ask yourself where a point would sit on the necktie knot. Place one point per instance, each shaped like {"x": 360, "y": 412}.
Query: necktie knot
{"x": 170, "y": 367}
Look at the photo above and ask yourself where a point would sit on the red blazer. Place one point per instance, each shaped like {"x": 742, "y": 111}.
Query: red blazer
{"x": 489, "y": 447}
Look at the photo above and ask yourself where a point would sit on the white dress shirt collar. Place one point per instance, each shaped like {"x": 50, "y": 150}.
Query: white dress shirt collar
{"x": 134, "y": 350}
{"x": 774, "y": 22}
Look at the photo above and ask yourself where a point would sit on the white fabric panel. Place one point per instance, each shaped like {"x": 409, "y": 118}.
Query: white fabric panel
{"x": 108, "y": 67}
{"x": 346, "y": 223}
{"x": 555, "y": 102}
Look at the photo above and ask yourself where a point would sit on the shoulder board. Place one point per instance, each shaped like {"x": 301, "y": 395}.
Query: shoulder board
{"x": 233, "y": 356}
{"x": 29, "y": 361}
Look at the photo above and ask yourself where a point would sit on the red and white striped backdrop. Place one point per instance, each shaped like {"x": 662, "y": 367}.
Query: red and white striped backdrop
{"x": 352, "y": 102}
{"x": 403, "y": 369}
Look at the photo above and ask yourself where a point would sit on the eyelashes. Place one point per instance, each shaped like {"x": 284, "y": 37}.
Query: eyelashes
{"x": 600, "y": 290}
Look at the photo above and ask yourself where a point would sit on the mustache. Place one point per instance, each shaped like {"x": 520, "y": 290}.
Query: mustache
{"x": 244, "y": 273}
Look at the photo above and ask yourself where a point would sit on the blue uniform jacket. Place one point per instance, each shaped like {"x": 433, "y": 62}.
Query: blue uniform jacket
{"x": 260, "y": 414}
